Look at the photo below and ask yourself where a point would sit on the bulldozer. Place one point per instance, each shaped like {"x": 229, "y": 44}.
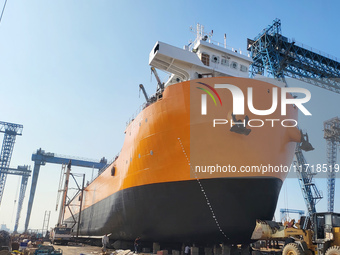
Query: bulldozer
{"x": 315, "y": 235}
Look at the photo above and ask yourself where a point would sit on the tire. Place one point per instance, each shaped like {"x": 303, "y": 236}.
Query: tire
{"x": 292, "y": 249}
{"x": 309, "y": 252}
{"x": 289, "y": 240}
{"x": 334, "y": 250}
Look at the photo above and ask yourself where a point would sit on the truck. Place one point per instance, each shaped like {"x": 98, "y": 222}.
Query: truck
{"x": 5, "y": 240}
{"x": 61, "y": 235}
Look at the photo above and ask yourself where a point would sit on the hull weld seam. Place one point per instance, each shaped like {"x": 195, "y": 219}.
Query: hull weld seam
{"x": 203, "y": 191}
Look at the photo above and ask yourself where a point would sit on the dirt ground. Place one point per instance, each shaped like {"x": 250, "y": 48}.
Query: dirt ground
{"x": 81, "y": 249}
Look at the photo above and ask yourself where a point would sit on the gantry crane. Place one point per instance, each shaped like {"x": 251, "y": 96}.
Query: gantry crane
{"x": 41, "y": 157}
{"x": 332, "y": 136}
{"x": 277, "y": 56}
{"x": 284, "y": 212}
{"x": 11, "y": 130}
{"x": 25, "y": 173}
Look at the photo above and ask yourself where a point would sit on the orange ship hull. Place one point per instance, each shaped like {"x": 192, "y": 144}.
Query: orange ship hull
{"x": 153, "y": 189}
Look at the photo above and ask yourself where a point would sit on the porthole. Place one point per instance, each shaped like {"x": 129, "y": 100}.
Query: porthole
{"x": 215, "y": 59}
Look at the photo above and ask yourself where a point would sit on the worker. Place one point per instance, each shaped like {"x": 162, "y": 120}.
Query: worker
{"x": 137, "y": 244}
{"x": 187, "y": 250}
{"x": 105, "y": 242}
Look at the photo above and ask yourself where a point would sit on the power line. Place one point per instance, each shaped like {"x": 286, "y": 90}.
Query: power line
{"x": 3, "y": 9}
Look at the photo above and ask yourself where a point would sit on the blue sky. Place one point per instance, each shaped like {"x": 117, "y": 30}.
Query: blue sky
{"x": 70, "y": 72}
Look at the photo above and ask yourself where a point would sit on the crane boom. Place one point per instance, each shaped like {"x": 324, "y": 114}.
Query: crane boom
{"x": 141, "y": 87}
{"x": 310, "y": 192}
{"x": 160, "y": 84}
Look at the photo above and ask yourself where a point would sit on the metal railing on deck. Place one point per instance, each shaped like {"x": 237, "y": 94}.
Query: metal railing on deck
{"x": 223, "y": 45}
{"x": 134, "y": 115}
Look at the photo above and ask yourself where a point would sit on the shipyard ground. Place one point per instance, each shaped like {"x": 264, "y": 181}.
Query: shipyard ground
{"x": 77, "y": 249}
{"x": 81, "y": 249}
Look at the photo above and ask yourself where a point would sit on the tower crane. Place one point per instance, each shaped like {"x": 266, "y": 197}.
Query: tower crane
{"x": 41, "y": 157}
{"x": 11, "y": 130}
{"x": 275, "y": 55}
{"x": 332, "y": 136}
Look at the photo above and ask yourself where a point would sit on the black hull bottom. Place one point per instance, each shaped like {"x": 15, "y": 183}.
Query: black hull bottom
{"x": 179, "y": 212}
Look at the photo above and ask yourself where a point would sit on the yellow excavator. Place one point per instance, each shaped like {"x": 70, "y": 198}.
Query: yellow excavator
{"x": 321, "y": 235}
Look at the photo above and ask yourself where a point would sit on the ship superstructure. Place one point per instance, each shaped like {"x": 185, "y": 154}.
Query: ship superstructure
{"x": 200, "y": 59}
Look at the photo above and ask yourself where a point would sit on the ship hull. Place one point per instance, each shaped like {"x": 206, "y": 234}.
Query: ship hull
{"x": 179, "y": 211}
{"x": 153, "y": 189}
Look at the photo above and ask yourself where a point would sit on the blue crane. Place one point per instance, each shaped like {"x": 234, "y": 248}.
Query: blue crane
{"x": 277, "y": 56}
{"x": 310, "y": 192}
{"x": 284, "y": 212}
{"x": 25, "y": 173}
{"x": 41, "y": 157}
{"x": 11, "y": 130}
